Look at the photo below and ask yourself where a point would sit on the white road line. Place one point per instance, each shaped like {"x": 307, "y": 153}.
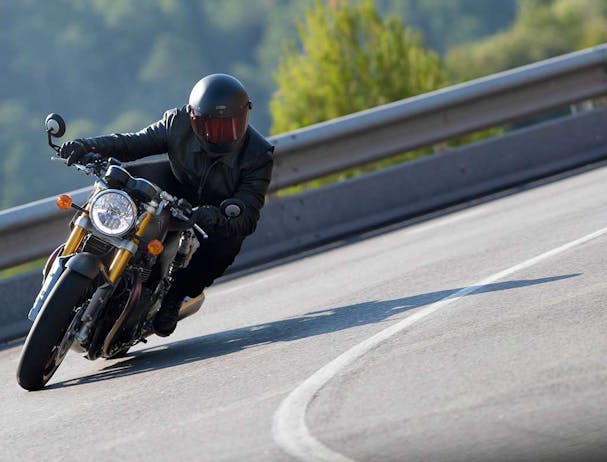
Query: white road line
{"x": 448, "y": 220}
{"x": 289, "y": 428}
{"x": 220, "y": 291}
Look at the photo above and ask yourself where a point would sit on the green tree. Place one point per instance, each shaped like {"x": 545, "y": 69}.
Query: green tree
{"x": 350, "y": 59}
{"x": 543, "y": 29}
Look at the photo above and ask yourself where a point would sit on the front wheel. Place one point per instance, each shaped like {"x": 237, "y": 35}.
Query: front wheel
{"x": 51, "y": 335}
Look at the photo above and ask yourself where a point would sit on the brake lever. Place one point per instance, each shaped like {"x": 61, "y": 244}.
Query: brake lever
{"x": 178, "y": 213}
{"x": 200, "y": 231}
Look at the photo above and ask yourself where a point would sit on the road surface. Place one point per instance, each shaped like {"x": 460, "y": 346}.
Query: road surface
{"x": 477, "y": 334}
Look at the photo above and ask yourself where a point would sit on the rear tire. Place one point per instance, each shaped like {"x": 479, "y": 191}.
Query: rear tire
{"x": 120, "y": 353}
{"x": 41, "y": 354}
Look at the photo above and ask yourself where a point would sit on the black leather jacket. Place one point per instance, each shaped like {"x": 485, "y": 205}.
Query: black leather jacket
{"x": 244, "y": 175}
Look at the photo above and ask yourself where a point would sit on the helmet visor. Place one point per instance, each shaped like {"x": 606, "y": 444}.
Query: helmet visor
{"x": 220, "y": 130}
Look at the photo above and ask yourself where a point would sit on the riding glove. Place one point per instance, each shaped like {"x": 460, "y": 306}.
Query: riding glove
{"x": 209, "y": 218}
{"x": 74, "y": 150}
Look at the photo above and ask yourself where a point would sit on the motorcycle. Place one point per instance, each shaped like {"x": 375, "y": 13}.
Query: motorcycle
{"x": 101, "y": 289}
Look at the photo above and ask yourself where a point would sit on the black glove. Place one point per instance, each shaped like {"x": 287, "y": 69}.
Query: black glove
{"x": 209, "y": 218}
{"x": 73, "y": 150}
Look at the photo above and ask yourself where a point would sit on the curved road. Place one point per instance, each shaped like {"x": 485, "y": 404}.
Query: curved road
{"x": 474, "y": 335}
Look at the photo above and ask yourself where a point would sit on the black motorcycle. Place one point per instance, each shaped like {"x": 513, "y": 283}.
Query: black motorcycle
{"x": 102, "y": 289}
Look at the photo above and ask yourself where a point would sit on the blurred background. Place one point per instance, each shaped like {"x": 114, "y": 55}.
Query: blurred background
{"x": 115, "y": 66}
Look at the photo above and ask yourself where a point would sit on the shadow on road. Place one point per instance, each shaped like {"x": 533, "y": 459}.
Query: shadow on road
{"x": 309, "y": 325}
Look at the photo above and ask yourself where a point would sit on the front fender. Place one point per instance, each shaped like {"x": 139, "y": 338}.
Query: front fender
{"x": 86, "y": 264}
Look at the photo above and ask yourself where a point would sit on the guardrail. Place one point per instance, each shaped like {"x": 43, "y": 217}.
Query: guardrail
{"x": 33, "y": 230}
{"x": 433, "y": 117}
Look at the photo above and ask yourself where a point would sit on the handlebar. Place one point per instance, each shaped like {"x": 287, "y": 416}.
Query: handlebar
{"x": 90, "y": 158}
{"x": 182, "y": 210}
{"x": 97, "y": 164}
{"x": 91, "y": 163}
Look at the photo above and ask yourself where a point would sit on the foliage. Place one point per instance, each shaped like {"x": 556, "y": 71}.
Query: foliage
{"x": 350, "y": 59}
{"x": 446, "y": 24}
{"x": 35, "y": 265}
{"x": 114, "y": 65}
{"x": 543, "y": 29}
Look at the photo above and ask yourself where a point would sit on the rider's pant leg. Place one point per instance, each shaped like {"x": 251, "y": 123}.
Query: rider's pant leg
{"x": 209, "y": 262}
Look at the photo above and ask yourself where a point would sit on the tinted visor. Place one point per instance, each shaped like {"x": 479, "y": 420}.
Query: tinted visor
{"x": 220, "y": 130}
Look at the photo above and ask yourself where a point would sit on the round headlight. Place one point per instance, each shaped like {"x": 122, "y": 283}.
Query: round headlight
{"x": 113, "y": 212}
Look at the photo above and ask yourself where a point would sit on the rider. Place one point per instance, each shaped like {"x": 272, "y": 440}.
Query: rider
{"x": 214, "y": 154}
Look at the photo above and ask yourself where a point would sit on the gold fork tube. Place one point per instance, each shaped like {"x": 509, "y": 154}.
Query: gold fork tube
{"x": 118, "y": 264}
{"x": 78, "y": 232}
{"x": 74, "y": 240}
{"x": 123, "y": 256}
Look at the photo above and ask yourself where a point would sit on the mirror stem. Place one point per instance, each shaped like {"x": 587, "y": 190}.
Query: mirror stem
{"x": 51, "y": 144}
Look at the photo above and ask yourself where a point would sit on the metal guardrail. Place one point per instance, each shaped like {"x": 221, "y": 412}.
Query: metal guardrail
{"x": 31, "y": 231}
{"x": 293, "y": 223}
{"x": 427, "y": 119}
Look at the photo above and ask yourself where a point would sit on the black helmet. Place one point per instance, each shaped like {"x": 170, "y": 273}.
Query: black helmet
{"x": 219, "y": 112}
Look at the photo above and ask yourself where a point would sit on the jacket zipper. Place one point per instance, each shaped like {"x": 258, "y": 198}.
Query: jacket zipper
{"x": 204, "y": 180}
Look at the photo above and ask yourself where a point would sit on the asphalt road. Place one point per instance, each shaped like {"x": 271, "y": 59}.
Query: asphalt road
{"x": 475, "y": 335}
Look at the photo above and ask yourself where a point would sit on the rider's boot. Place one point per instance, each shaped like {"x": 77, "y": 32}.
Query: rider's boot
{"x": 165, "y": 321}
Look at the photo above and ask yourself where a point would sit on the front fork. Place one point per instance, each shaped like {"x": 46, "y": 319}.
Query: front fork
{"x": 104, "y": 292}
{"x": 77, "y": 235}
{"x": 123, "y": 256}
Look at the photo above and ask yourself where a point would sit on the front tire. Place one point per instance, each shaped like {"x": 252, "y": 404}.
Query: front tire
{"x": 45, "y": 346}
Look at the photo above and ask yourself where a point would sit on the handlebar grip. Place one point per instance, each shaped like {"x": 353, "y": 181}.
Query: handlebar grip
{"x": 88, "y": 158}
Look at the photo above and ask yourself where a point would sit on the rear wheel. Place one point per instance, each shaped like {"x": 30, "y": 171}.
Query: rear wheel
{"x": 52, "y": 334}
{"x": 120, "y": 353}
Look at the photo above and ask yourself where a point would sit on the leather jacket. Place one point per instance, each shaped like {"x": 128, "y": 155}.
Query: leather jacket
{"x": 244, "y": 175}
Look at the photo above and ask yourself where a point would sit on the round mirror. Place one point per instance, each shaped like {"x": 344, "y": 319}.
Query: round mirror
{"x": 232, "y": 208}
{"x": 55, "y": 125}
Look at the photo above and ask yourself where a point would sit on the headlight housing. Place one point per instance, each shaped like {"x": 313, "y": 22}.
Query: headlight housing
{"x": 113, "y": 212}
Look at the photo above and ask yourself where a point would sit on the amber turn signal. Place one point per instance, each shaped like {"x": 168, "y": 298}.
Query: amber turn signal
{"x": 64, "y": 202}
{"x": 155, "y": 247}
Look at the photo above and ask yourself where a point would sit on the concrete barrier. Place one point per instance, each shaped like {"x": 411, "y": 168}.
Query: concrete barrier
{"x": 17, "y": 295}
{"x": 430, "y": 183}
